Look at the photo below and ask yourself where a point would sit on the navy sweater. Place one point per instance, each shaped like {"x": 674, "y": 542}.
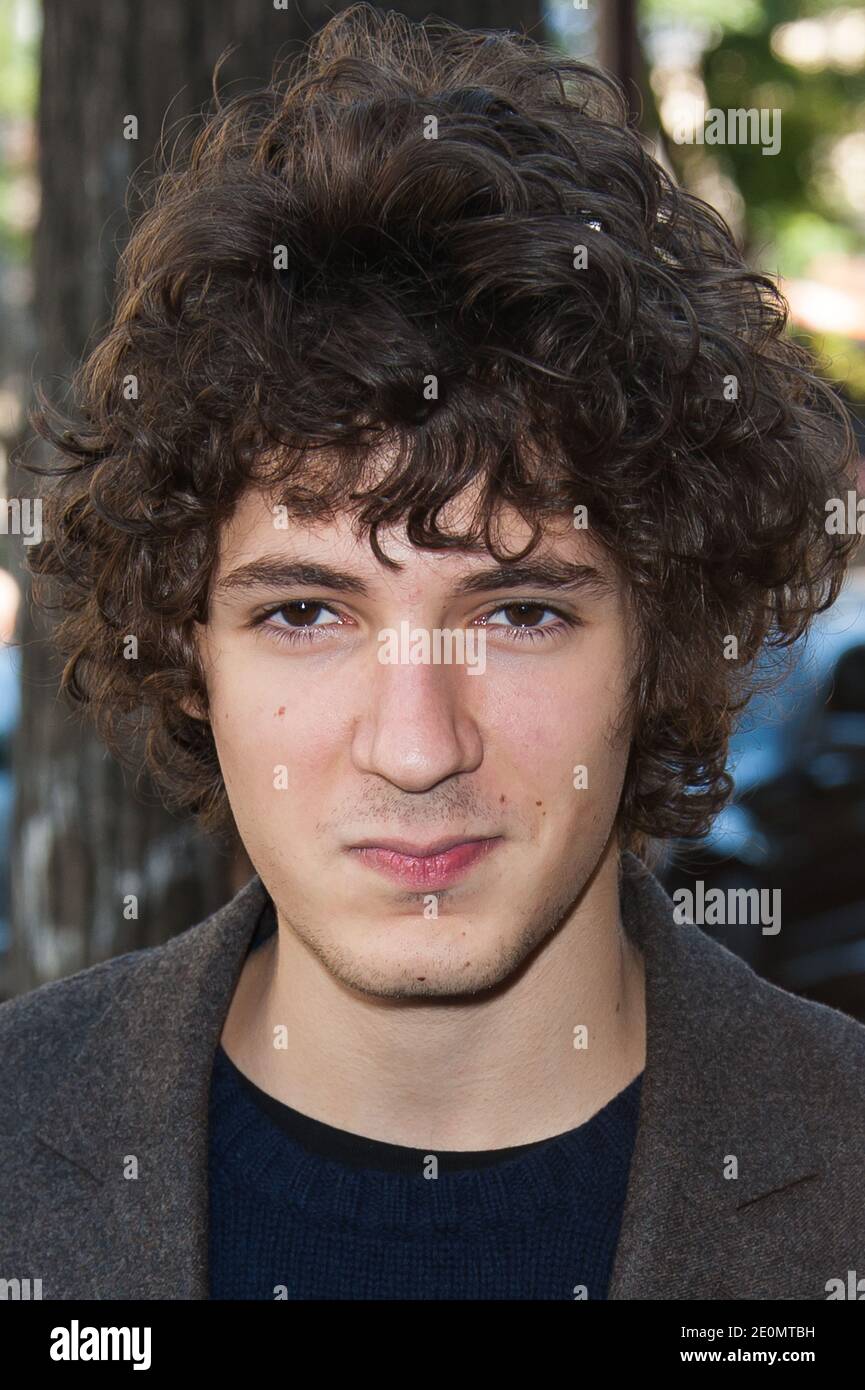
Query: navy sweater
{"x": 302, "y": 1210}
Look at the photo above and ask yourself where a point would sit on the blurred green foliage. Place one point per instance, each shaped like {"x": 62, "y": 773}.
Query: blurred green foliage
{"x": 19, "y": 57}
{"x": 19, "y": 83}
{"x": 794, "y": 207}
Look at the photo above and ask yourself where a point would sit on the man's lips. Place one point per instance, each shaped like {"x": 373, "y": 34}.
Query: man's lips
{"x": 431, "y": 866}
{"x": 416, "y": 851}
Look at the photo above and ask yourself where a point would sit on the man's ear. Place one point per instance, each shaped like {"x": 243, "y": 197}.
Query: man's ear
{"x": 191, "y": 705}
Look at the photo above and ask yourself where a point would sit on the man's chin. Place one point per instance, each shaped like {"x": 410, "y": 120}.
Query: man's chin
{"x": 434, "y": 985}
{"x": 394, "y": 974}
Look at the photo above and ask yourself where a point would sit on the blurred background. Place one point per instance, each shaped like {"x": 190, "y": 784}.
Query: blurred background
{"x": 75, "y": 837}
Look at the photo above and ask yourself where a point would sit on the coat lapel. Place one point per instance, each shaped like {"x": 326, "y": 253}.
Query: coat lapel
{"x": 132, "y": 1117}
{"x": 716, "y": 1090}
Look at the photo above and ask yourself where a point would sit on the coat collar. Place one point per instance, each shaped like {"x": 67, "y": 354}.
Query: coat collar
{"x": 714, "y": 1086}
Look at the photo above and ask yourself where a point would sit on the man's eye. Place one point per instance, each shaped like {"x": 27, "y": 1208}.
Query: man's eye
{"x": 302, "y": 610}
{"x": 521, "y": 614}
{"x": 522, "y": 624}
{"x": 302, "y": 624}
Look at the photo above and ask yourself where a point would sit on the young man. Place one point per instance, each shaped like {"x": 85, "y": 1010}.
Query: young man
{"x": 449, "y": 470}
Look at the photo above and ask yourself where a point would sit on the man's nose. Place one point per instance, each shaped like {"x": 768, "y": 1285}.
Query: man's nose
{"x": 419, "y": 726}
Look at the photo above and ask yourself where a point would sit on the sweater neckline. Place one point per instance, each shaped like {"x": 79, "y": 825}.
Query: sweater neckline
{"x": 358, "y": 1150}
{"x": 248, "y": 1148}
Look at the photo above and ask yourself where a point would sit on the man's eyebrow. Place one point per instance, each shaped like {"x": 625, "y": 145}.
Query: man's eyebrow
{"x": 537, "y": 574}
{"x": 275, "y": 572}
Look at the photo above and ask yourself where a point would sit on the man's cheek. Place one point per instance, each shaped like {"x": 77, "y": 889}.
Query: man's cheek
{"x": 250, "y": 740}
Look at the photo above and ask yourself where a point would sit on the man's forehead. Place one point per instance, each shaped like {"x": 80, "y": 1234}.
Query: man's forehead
{"x": 262, "y": 527}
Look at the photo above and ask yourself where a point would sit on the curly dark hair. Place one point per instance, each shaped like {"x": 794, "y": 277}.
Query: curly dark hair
{"x": 418, "y": 248}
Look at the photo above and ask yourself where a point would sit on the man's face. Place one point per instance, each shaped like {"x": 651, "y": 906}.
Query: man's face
{"x": 325, "y": 747}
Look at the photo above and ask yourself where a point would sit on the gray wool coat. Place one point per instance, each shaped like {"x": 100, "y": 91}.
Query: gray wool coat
{"x": 116, "y": 1061}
